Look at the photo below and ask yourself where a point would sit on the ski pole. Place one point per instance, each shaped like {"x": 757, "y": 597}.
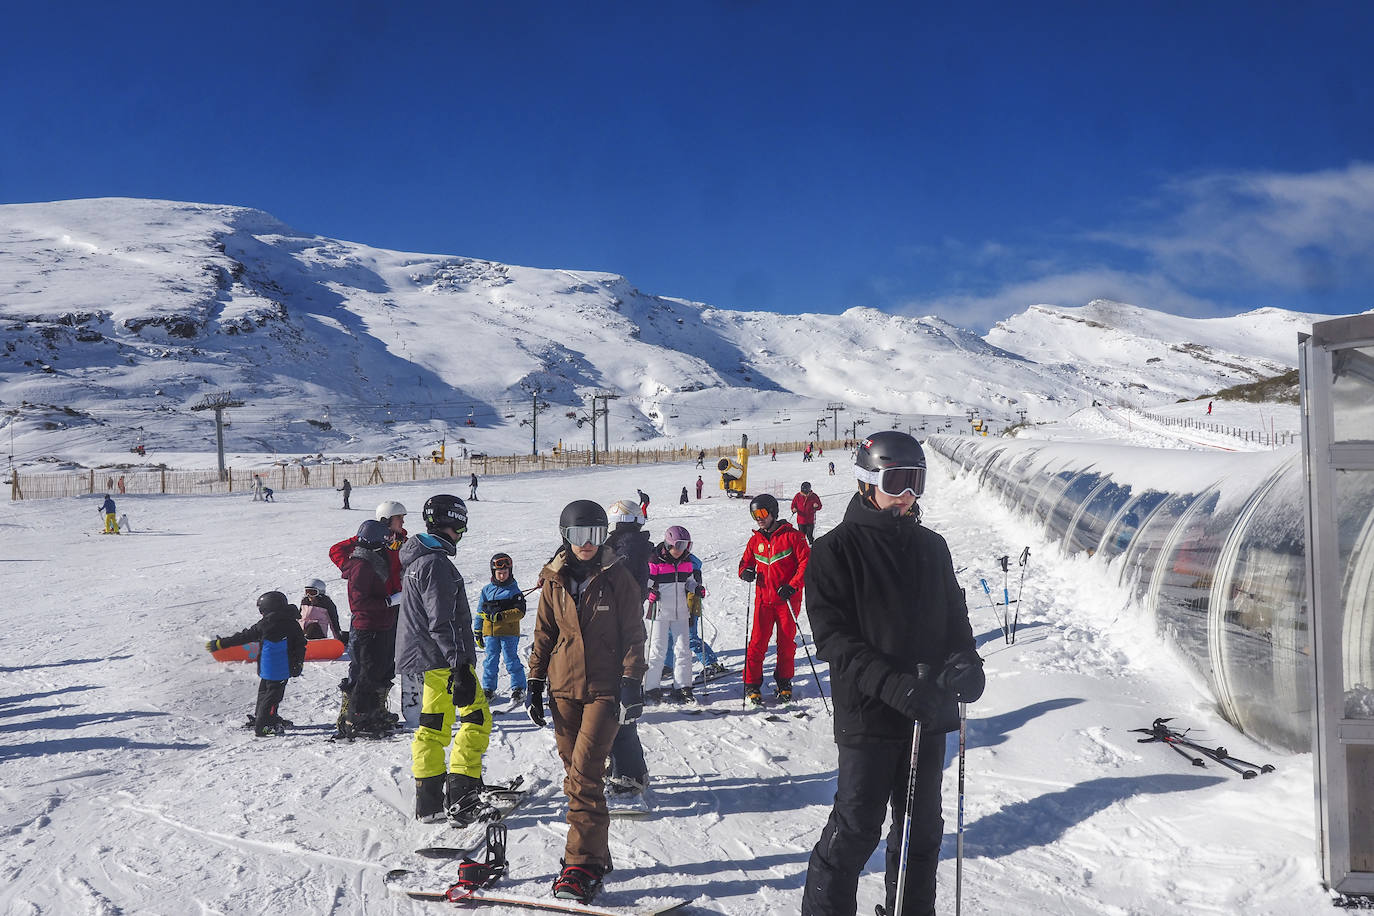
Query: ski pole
{"x": 1263, "y": 768}
{"x": 1211, "y": 752}
{"x": 1024, "y": 561}
{"x": 906, "y": 817}
{"x": 1007, "y": 633}
{"x": 748, "y": 618}
{"x": 796, "y": 621}
{"x": 992, "y": 607}
{"x": 959, "y": 833}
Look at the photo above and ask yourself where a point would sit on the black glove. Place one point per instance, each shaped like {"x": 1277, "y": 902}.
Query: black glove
{"x": 918, "y": 697}
{"x": 462, "y": 684}
{"x": 631, "y": 700}
{"x": 963, "y": 676}
{"x": 343, "y": 637}
{"x": 786, "y": 591}
{"x": 212, "y": 645}
{"x": 534, "y": 700}
{"x": 701, "y": 591}
{"x": 298, "y": 671}
{"x": 748, "y": 574}
{"x": 477, "y": 636}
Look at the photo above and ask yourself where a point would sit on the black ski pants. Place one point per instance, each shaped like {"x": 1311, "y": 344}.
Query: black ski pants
{"x": 373, "y": 652}
{"x": 872, "y": 779}
{"x": 270, "y": 695}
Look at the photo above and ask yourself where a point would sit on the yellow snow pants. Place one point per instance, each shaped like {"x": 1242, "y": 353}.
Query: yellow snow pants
{"x": 435, "y": 731}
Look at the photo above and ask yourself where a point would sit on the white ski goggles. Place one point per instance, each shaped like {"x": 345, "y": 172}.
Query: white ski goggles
{"x": 577, "y": 535}
{"x": 894, "y": 481}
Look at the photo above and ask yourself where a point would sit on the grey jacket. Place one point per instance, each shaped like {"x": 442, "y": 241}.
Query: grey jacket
{"x": 435, "y": 625}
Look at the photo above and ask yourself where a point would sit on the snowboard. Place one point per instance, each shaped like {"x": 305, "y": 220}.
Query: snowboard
{"x": 398, "y": 883}
{"x": 316, "y": 650}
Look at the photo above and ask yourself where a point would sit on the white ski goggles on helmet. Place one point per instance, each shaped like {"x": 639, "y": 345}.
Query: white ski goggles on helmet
{"x": 577, "y": 535}
{"x": 894, "y": 481}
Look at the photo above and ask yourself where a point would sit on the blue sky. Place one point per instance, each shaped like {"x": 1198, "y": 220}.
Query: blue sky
{"x": 793, "y": 156}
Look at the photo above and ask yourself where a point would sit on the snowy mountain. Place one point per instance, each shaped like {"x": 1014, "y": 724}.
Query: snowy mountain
{"x": 118, "y": 315}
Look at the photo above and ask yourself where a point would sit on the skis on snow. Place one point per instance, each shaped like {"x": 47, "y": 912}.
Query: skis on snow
{"x": 1188, "y": 749}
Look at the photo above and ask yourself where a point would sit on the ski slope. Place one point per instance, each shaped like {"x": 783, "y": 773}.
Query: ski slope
{"x": 128, "y": 787}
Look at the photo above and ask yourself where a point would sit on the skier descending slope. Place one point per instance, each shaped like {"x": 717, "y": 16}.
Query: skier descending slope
{"x": 889, "y": 616}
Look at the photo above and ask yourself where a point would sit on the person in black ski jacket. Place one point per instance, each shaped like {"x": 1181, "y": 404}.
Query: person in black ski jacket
{"x": 281, "y": 655}
{"x": 889, "y": 616}
{"x": 629, "y": 773}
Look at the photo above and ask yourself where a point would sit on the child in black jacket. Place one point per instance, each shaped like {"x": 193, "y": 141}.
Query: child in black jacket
{"x": 281, "y": 655}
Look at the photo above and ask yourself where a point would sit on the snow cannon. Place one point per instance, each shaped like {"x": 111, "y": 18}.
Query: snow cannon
{"x": 734, "y": 472}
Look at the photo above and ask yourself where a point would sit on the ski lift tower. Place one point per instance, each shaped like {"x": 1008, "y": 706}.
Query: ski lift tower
{"x": 1336, "y": 369}
{"x": 219, "y": 403}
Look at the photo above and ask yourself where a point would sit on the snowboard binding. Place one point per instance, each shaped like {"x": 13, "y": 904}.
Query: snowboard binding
{"x": 473, "y": 874}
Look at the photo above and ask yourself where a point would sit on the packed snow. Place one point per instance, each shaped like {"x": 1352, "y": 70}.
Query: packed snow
{"x": 129, "y": 786}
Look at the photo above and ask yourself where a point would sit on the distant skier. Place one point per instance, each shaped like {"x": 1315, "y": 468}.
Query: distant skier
{"x": 257, "y": 488}
{"x": 805, "y": 505}
{"x": 701, "y": 458}
{"x": 889, "y": 616}
{"x": 472, "y": 486}
{"x": 496, "y": 627}
{"x": 107, "y": 508}
{"x": 700, "y": 484}
{"x": 684, "y": 499}
{"x": 267, "y": 495}
{"x": 346, "y": 489}
{"x": 281, "y": 655}
{"x": 1209, "y": 408}
{"x": 643, "y": 504}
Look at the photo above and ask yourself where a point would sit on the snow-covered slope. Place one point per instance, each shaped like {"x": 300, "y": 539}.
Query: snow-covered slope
{"x": 118, "y": 315}
{"x": 1160, "y": 356}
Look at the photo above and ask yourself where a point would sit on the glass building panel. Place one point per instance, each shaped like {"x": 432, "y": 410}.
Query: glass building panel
{"x": 1265, "y": 630}
{"x": 1352, "y": 394}
{"x": 1050, "y": 493}
{"x": 1093, "y": 520}
{"x": 1123, "y": 529}
{"x": 1359, "y": 761}
{"x": 1354, "y": 499}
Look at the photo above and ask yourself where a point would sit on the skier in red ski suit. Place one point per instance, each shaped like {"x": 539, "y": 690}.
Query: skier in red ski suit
{"x": 775, "y": 560}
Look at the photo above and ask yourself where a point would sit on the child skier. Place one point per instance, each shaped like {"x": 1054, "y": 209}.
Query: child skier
{"x": 281, "y": 655}
{"x": 672, "y": 577}
{"x": 319, "y": 614}
{"x": 497, "y": 628}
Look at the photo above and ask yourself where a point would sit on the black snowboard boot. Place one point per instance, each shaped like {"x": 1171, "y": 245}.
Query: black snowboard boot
{"x": 579, "y": 882}
{"x": 465, "y": 804}
{"x": 429, "y": 799}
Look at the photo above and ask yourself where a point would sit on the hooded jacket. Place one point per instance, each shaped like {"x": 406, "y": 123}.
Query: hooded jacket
{"x": 366, "y": 572}
{"x": 805, "y": 506}
{"x": 882, "y": 597}
{"x": 584, "y": 647}
{"x": 281, "y": 653}
{"x": 435, "y": 625}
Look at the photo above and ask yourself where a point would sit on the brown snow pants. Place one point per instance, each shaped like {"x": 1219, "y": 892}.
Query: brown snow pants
{"x": 584, "y": 732}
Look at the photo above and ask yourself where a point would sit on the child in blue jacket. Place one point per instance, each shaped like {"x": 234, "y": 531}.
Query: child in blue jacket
{"x": 496, "y": 627}
{"x": 281, "y": 655}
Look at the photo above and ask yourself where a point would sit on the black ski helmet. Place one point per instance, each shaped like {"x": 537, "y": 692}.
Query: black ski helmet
{"x": 765, "y": 501}
{"x": 444, "y": 511}
{"x": 272, "y": 603}
{"x": 582, "y": 512}
{"x": 504, "y": 561}
{"x": 888, "y": 448}
{"x": 806, "y": 486}
{"x": 372, "y": 534}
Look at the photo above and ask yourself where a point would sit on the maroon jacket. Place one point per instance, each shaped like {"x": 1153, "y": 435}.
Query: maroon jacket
{"x": 367, "y": 590}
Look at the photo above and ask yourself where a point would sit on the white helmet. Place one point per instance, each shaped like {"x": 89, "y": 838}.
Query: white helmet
{"x": 315, "y": 584}
{"x": 389, "y": 508}
{"x": 625, "y": 510}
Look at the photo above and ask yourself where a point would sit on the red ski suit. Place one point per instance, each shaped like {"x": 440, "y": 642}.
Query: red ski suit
{"x": 778, "y": 557}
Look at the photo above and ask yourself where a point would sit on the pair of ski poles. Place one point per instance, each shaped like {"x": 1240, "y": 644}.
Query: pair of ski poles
{"x": 906, "y": 817}
{"x": 1008, "y": 621}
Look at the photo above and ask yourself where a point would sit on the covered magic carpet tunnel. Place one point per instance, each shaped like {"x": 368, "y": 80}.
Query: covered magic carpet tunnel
{"x": 1212, "y": 546}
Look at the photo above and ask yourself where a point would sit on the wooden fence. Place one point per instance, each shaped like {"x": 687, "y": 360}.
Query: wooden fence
{"x": 295, "y": 475}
